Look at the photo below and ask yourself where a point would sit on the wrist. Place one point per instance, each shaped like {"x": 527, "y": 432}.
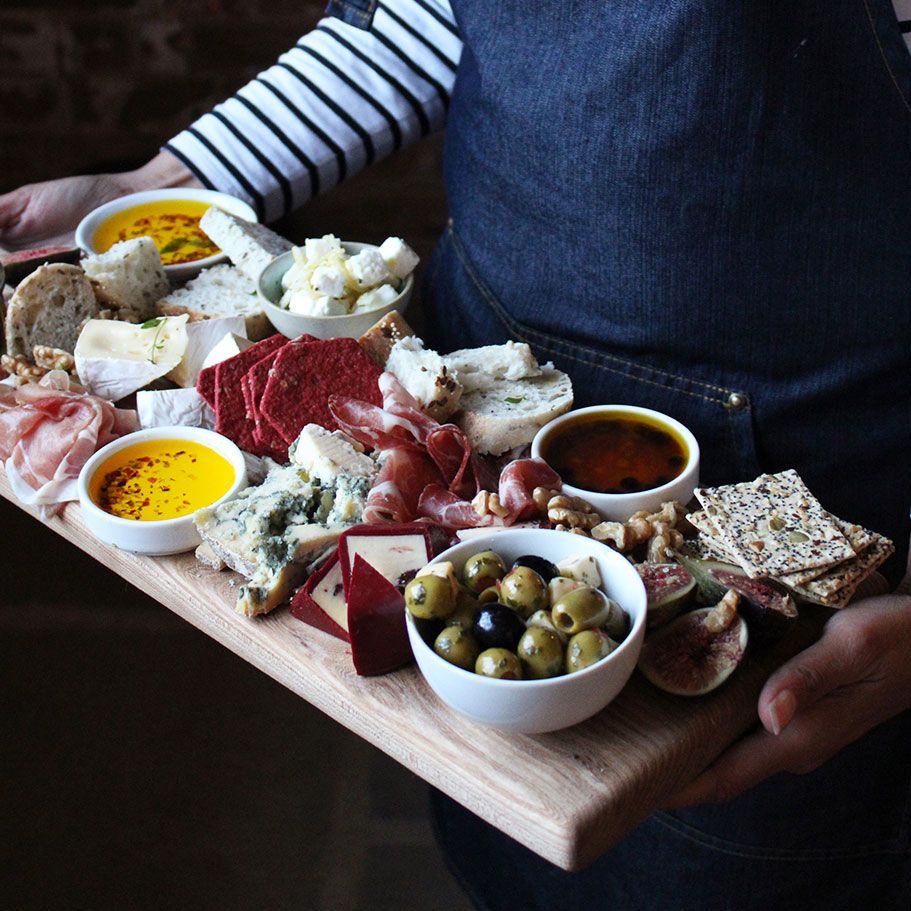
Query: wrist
{"x": 164, "y": 170}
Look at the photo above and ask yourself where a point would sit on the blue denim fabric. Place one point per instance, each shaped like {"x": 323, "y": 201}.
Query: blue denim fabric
{"x": 703, "y": 207}
{"x": 678, "y": 201}
{"x": 358, "y": 13}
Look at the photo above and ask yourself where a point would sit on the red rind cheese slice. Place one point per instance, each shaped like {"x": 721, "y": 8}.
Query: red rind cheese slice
{"x": 396, "y": 552}
{"x": 376, "y": 622}
{"x": 304, "y": 376}
{"x": 321, "y": 599}
{"x": 231, "y": 418}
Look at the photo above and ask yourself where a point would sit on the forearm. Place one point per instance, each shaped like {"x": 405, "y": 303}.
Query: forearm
{"x": 340, "y": 99}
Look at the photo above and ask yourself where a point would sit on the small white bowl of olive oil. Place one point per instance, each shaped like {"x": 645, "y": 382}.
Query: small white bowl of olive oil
{"x": 140, "y": 492}
{"x": 621, "y": 458}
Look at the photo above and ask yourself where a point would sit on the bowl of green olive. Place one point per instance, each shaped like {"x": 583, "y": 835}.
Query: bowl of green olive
{"x": 527, "y": 629}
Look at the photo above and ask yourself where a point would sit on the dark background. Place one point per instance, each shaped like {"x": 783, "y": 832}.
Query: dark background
{"x": 142, "y": 765}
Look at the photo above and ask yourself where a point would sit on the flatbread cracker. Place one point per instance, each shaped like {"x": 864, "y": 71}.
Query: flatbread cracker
{"x": 774, "y": 525}
{"x": 836, "y": 587}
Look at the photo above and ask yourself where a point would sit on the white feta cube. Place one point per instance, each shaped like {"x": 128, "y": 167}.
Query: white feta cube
{"x": 399, "y": 257}
{"x": 315, "y": 248}
{"x": 329, "y": 280}
{"x": 376, "y": 297}
{"x": 368, "y": 269}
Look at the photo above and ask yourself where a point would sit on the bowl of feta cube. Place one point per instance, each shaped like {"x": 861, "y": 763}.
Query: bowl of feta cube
{"x": 331, "y": 288}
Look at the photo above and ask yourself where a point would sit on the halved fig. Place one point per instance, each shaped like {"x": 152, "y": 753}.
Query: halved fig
{"x": 697, "y": 651}
{"x": 669, "y": 588}
{"x": 19, "y": 263}
{"x": 766, "y": 605}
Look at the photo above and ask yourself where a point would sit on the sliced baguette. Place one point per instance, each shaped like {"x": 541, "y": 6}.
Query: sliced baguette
{"x": 221, "y": 290}
{"x": 425, "y": 375}
{"x": 49, "y": 307}
{"x": 129, "y": 277}
{"x": 250, "y": 246}
{"x": 475, "y": 367}
{"x": 504, "y": 414}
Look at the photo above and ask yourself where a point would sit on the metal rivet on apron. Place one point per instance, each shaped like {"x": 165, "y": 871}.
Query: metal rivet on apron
{"x": 737, "y": 401}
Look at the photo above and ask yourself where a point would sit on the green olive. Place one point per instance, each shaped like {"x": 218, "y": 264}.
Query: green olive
{"x": 541, "y": 653}
{"x": 498, "y": 662}
{"x": 482, "y": 570}
{"x": 457, "y": 646}
{"x": 466, "y": 607}
{"x": 582, "y": 608}
{"x": 430, "y": 597}
{"x": 617, "y": 623}
{"x": 523, "y": 590}
{"x": 587, "y": 648}
{"x": 544, "y": 618}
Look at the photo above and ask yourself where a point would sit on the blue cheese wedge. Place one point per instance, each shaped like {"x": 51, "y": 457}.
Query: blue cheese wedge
{"x": 114, "y": 358}
{"x": 274, "y": 533}
{"x": 328, "y": 455}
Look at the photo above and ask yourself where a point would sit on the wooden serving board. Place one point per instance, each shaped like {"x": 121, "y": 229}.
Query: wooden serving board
{"x": 567, "y": 795}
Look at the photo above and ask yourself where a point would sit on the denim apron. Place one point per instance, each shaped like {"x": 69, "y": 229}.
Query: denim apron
{"x": 702, "y": 207}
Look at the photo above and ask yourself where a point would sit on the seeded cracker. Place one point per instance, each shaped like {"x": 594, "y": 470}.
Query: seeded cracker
{"x": 836, "y": 587}
{"x": 774, "y": 525}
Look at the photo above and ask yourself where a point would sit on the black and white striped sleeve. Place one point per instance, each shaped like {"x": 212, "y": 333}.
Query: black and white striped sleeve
{"x": 343, "y": 97}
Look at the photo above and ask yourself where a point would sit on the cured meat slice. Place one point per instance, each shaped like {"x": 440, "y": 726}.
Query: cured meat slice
{"x": 518, "y": 481}
{"x": 398, "y": 486}
{"x": 48, "y": 431}
{"x": 442, "y": 506}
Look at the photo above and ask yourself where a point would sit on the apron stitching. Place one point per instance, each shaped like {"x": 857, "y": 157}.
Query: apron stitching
{"x": 882, "y": 53}
{"x": 552, "y": 344}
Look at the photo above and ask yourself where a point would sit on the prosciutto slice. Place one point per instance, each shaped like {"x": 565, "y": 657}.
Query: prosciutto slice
{"x": 398, "y": 486}
{"x": 48, "y": 431}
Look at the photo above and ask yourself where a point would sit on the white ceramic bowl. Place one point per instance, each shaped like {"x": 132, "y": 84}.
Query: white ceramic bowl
{"x": 163, "y": 536}
{"x": 618, "y": 507}
{"x": 537, "y": 706}
{"x": 178, "y": 272}
{"x": 350, "y": 325}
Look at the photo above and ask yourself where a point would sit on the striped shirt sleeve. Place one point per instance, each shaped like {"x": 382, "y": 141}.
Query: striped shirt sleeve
{"x": 340, "y": 99}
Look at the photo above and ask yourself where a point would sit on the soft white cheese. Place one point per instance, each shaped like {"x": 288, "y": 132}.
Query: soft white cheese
{"x": 231, "y": 343}
{"x": 400, "y": 259}
{"x": 114, "y": 358}
{"x": 173, "y": 407}
{"x": 202, "y": 337}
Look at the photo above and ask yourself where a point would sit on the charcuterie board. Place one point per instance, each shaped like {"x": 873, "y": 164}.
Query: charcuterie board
{"x": 567, "y": 795}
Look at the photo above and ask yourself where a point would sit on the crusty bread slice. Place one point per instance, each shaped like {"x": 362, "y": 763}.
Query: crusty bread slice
{"x": 425, "y": 375}
{"x": 504, "y": 414}
{"x": 221, "y": 290}
{"x": 49, "y": 308}
{"x": 250, "y": 246}
{"x": 129, "y": 277}
{"x": 475, "y": 367}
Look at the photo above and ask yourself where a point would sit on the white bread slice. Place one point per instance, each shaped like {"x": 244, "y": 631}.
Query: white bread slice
{"x": 425, "y": 375}
{"x": 49, "y": 307}
{"x": 506, "y": 413}
{"x": 221, "y": 290}
{"x": 130, "y": 277}
{"x": 475, "y": 367}
{"x": 250, "y": 246}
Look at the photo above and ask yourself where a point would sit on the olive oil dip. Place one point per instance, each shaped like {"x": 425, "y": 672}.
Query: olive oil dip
{"x": 615, "y": 453}
{"x": 173, "y": 224}
{"x": 160, "y": 479}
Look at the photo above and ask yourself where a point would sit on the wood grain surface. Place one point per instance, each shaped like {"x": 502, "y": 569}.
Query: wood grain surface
{"x": 567, "y": 795}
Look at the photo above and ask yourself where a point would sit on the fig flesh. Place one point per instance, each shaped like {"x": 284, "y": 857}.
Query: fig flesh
{"x": 20, "y": 263}
{"x": 697, "y": 651}
{"x": 766, "y": 605}
{"x": 669, "y": 588}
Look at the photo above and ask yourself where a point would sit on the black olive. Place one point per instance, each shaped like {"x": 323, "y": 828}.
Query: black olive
{"x": 498, "y": 626}
{"x": 541, "y": 565}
